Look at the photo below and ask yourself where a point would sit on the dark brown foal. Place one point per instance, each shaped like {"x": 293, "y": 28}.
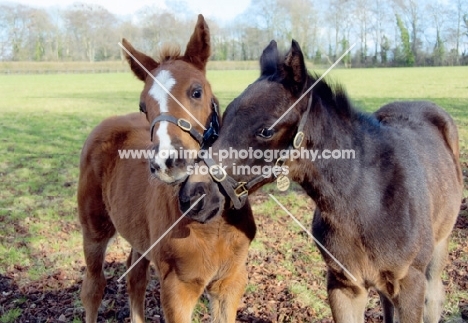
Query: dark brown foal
{"x": 386, "y": 214}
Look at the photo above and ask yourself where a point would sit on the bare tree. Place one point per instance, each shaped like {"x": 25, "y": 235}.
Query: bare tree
{"x": 363, "y": 17}
{"x": 255, "y": 27}
{"x": 40, "y": 33}
{"x": 458, "y": 11}
{"x": 381, "y": 19}
{"x": 338, "y": 15}
{"x": 91, "y": 31}
{"x": 56, "y": 39}
{"x": 160, "y": 27}
{"x": 15, "y": 21}
{"x": 435, "y": 32}
{"x": 301, "y": 21}
{"x": 266, "y": 15}
{"x": 439, "y": 14}
{"x": 127, "y": 29}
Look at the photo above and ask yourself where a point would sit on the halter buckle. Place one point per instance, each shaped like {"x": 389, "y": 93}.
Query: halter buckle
{"x": 280, "y": 161}
{"x": 240, "y": 190}
{"x": 184, "y": 124}
{"x": 217, "y": 172}
{"x": 298, "y": 138}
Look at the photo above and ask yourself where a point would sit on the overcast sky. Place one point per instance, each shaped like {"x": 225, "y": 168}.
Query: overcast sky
{"x": 222, "y": 10}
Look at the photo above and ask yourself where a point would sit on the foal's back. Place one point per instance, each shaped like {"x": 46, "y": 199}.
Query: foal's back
{"x": 432, "y": 139}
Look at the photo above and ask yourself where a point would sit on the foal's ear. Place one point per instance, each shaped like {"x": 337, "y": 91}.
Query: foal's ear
{"x": 198, "y": 48}
{"x": 295, "y": 69}
{"x": 149, "y": 63}
{"x": 269, "y": 60}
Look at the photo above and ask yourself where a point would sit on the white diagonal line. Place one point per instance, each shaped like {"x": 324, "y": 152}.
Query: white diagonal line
{"x": 160, "y": 238}
{"x": 310, "y": 88}
{"x": 162, "y": 86}
{"x": 316, "y": 241}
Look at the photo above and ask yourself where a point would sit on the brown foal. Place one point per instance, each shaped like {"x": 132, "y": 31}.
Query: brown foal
{"x": 139, "y": 201}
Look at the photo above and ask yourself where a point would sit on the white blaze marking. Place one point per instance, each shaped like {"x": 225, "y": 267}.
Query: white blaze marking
{"x": 157, "y": 92}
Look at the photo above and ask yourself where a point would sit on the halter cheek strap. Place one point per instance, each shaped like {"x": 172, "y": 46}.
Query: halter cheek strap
{"x": 206, "y": 139}
{"x": 299, "y": 137}
{"x": 212, "y": 132}
{"x": 182, "y": 123}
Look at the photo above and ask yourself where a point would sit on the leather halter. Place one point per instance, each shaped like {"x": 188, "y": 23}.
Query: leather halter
{"x": 209, "y": 135}
{"x": 239, "y": 191}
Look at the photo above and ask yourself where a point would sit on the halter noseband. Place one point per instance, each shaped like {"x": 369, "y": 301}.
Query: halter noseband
{"x": 209, "y": 135}
{"x": 238, "y": 191}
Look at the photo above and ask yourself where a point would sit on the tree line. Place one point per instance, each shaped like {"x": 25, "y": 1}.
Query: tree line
{"x": 386, "y": 33}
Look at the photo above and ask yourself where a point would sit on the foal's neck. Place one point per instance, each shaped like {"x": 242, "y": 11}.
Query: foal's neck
{"x": 331, "y": 181}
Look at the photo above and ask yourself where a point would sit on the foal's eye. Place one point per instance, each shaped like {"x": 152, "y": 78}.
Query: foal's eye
{"x": 197, "y": 93}
{"x": 265, "y": 133}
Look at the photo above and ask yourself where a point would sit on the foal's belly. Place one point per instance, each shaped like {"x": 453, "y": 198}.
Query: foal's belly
{"x": 372, "y": 263}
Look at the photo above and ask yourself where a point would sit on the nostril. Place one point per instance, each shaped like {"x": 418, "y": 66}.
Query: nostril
{"x": 172, "y": 159}
{"x": 184, "y": 198}
{"x": 199, "y": 190}
{"x": 179, "y": 162}
{"x": 199, "y": 206}
{"x": 154, "y": 167}
{"x": 169, "y": 162}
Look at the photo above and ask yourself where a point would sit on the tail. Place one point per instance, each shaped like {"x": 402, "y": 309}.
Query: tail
{"x": 444, "y": 122}
{"x": 447, "y": 128}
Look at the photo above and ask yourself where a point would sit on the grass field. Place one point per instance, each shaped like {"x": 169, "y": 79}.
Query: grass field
{"x": 46, "y": 118}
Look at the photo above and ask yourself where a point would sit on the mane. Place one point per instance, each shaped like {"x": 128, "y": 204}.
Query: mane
{"x": 332, "y": 94}
{"x": 168, "y": 52}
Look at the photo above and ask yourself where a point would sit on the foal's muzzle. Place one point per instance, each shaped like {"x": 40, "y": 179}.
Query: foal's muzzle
{"x": 208, "y": 207}
{"x": 168, "y": 165}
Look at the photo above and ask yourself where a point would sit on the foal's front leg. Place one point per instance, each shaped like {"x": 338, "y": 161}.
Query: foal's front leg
{"x": 178, "y": 298}
{"x": 347, "y": 301}
{"x": 137, "y": 279}
{"x": 94, "y": 280}
{"x": 225, "y": 295}
{"x": 409, "y": 303}
{"x": 97, "y": 231}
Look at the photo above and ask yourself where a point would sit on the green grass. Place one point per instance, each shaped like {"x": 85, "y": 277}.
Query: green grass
{"x": 309, "y": 297}
{"x": 250, "y": 288}
{"x": 226, "y": 88}
{"x": 10, "y": 316}
{"x": 446, "y": 86}
{"x": 46, "y": 118}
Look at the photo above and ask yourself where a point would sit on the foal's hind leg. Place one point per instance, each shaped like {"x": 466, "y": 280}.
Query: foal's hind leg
{"x": 137, "y": 279}
{"x": 435, "y": 293}
{"x": 94, "y": 282}
{"x": 225, "y": 295}
{"x": 97, "y": 230}
{"x": 409, "y": 303}
{"x": 347, "y": 301}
